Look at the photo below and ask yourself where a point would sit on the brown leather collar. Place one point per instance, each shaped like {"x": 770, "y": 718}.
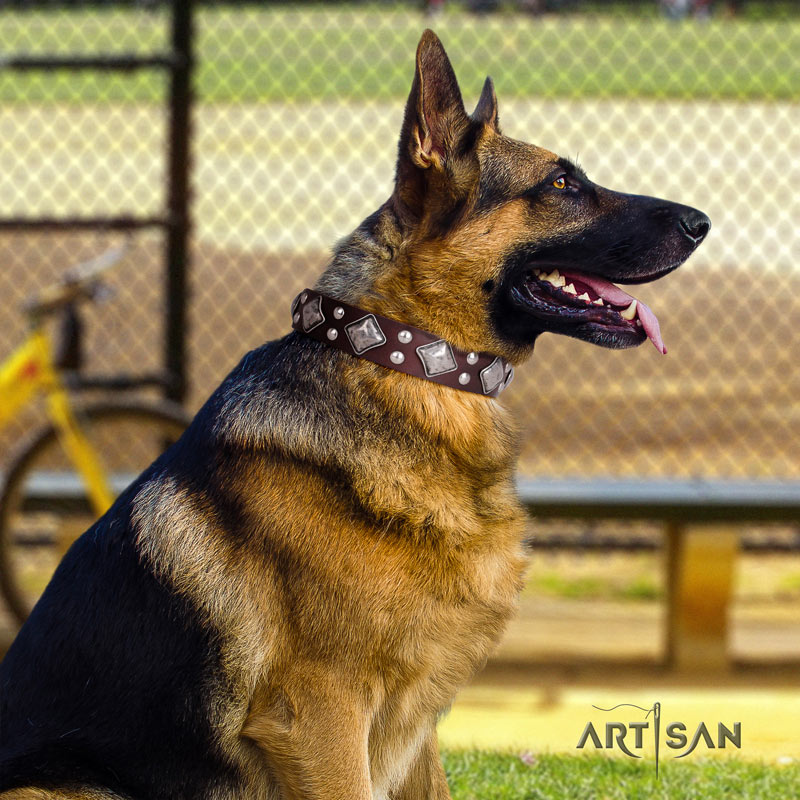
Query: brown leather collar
{"x": 398, "y": 346}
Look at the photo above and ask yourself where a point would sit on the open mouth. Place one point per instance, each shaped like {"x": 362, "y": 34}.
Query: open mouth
{"x": 576, "y": 298}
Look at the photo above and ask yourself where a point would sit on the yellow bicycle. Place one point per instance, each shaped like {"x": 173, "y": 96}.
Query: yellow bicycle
{"x": 71, "y": 471}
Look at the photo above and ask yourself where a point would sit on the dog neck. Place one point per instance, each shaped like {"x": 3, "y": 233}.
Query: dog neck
{"x": 469, "y": 429}
{"x": 398, "y": 346}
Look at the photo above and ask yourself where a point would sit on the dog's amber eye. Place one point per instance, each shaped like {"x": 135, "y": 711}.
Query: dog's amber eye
{"x": 560, "y": 183}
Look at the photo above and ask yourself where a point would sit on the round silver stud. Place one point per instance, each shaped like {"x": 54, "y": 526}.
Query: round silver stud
{"x": 472, "y": 358}
{"x": 338, "y": 312}
{"x": 304, "y": 297}
{"x": 332, "y": 333}
{"x": 463, "y": 378}
{"x": 396, "y": 357}
{"x": 296, "y": 319}
{"x": 404, "y": 337}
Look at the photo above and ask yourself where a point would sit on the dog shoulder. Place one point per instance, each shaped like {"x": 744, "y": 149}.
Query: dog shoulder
{"x": 110, "y": 647}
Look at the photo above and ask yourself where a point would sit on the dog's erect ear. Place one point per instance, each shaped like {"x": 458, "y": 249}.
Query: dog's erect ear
{"x": 486, "y": 110}
{"x": 435, "y": 115}
{"x": 434, "y": 125}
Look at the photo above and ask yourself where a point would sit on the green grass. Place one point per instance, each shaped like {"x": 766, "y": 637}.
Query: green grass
{"x": 366, "y": 53}
{"x": 487, "y": 776}
{"x": 790, "y": 584}
{"x": 588, "y": 587}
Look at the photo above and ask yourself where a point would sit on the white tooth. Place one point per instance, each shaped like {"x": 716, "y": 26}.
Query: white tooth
{"x": 629, "y": 312}
{"x": 599, "y": 301}
{"x": 570, "y": 289}
{"x": 556, "y": 278}
{"x": 584, "y": 296}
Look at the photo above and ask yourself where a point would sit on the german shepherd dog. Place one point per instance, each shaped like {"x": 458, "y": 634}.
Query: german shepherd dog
{"x": 284, "y": 603}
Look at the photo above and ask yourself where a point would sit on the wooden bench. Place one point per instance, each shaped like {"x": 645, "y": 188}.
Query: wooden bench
{"x": 700, "y": 519}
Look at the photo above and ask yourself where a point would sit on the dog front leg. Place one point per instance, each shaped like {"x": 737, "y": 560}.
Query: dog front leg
{"x": 316, "y": 745}
{"x": 426, "y": 779}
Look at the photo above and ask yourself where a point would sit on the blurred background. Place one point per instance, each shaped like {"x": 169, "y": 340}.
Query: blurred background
{"x": 236, "y": 142}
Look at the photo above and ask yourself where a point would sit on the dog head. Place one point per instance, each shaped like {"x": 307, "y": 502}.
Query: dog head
{"x": 503, "y": 240}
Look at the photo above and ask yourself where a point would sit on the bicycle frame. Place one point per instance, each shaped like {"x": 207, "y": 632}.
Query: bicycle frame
{"x": 31, "y": 370}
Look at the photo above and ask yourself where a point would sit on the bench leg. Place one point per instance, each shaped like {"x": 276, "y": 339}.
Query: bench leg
{"x": 700, "y": 564}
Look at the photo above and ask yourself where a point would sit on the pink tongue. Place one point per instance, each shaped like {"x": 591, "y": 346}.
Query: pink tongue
{"x": 651, "y": 327}
{"x": 614, "y": 295}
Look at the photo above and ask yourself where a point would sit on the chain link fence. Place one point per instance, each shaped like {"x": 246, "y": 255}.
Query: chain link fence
{"x": 298, "y": 109}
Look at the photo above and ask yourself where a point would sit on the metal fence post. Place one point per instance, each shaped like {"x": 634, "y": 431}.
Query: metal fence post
{"x": 178, "y": 200}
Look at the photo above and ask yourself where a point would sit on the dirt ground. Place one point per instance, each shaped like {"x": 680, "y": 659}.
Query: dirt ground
{"x": 533, "y": 709}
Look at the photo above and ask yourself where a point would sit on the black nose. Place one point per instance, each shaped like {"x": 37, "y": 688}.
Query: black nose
{"x": 695, "y": 225}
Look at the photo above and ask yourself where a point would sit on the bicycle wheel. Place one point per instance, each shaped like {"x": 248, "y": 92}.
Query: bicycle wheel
{"x": 44, "y": 505}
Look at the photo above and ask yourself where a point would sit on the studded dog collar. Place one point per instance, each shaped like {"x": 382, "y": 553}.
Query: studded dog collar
{"x": 398, "y": 346}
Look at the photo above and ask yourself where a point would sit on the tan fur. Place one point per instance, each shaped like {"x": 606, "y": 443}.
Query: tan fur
{"x": 334, "y": 548}
{"x": 432, "y": 604}
{"x": 372, "y": 568}
{"x": 32, "y": 793}
{"x": 337, "y": 547}
{"x": 468, "y": 255}
{"x": 342, "y": 681}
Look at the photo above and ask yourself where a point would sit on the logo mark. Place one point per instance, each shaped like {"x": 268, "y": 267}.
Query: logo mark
{"x": 676, "y": 738}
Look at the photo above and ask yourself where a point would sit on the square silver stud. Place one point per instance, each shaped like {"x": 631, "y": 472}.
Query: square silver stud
{"x": 364, "y": 334}
{"x": 437, "y": 358}
{"x": 492, "y": 376}
{"x": 312, "y": 314}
